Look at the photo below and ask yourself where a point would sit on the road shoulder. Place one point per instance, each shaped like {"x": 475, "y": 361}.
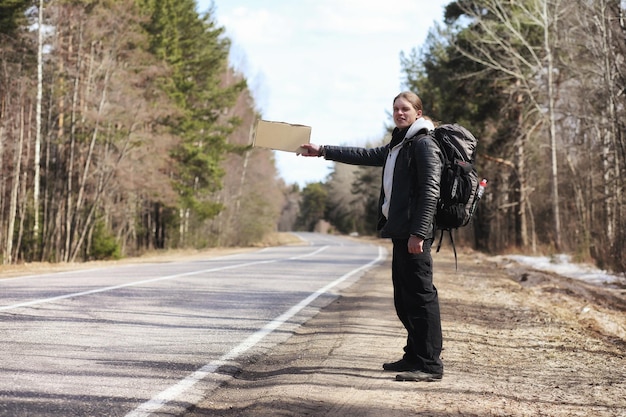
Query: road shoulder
{"x": 508, "y": 350}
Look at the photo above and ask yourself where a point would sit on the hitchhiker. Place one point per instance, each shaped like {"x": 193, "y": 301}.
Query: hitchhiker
{"x": 410, "y": 184}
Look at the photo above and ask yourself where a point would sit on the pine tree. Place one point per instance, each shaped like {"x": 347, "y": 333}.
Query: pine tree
{"x": 196, "y": 51}
{"x": 12, "y": 15}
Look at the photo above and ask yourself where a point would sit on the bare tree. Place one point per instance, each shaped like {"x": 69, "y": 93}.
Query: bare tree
{"x": 503, "y": 38}
{"x": 250, "y": 197}
{"x": 593, "y": 54}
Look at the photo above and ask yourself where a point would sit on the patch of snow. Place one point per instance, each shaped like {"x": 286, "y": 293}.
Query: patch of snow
{"x": 562, "y": 264}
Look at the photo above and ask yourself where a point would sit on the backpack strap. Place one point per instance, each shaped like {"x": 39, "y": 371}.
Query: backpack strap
{"x": 456, "y": 263}
{"x": 440, "y": 239}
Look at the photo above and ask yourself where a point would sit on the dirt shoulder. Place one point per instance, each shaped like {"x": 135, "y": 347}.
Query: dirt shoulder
{"x": 516, "y": 343}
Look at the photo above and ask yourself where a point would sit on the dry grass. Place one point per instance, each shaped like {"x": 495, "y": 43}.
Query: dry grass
{"x": 274, "y": 239}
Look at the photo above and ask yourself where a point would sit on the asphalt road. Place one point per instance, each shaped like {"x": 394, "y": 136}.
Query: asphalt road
{"x": 142, "y": 339}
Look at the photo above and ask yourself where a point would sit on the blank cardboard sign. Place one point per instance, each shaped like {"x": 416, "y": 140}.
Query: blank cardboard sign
{"x": 281, "y": 136}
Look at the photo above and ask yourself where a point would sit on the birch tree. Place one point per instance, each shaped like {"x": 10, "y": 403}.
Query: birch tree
{"x": 38, "y": 127}
{"x": 594, "y": 55}
{"x": 17, "y": 172}
{"x": 516, "y": 39}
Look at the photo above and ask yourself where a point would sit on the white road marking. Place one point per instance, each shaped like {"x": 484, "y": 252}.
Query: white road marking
{"x": 145, "y": 281}
{"x": 175, "y": 391}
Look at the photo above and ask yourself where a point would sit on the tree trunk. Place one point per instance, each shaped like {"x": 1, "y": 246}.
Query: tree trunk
{"x": 610, "y": 155}
{"x": 552, "y": 126}
{"x": 23, "y": 201}
{"x": 8, "y": 250}
{"x": 2, "y": 178}
{"x": 521, "y": 176}
{"x": 36, "y": 162}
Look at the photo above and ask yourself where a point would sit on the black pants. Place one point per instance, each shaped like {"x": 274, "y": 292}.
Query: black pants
{"x": 417, "y": 305}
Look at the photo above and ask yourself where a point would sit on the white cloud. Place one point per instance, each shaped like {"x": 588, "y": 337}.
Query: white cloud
{"x": 333, "y": 65}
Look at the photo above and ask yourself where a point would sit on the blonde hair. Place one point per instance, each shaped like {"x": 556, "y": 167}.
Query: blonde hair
{"x": 412, "y": 98}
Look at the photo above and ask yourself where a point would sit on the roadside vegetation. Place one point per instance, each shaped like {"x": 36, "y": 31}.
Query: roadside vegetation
{"x": 124, "y": 130}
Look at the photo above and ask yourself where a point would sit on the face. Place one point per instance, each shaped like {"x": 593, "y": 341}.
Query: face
{"x": 404, "y": 114}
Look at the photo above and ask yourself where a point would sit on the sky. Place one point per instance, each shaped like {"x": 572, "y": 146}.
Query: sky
{"x": 333, "y": 65}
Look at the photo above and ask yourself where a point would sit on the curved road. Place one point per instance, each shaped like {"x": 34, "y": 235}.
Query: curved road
{"x": 144, "y": 339}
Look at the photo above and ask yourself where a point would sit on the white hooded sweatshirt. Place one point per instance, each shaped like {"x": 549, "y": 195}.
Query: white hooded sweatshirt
{"x": 417, "y": 125}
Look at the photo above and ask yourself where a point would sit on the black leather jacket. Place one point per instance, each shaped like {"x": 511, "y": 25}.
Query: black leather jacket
{"x": 416, "y": 180}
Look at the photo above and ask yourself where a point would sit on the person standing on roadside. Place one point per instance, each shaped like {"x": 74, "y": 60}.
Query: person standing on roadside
{"x": 407, "y": 205}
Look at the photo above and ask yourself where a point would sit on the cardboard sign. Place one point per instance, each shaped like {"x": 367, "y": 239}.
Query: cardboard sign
{"x": 281, "y": 136}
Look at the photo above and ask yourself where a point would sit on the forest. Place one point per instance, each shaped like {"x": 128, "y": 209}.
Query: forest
{"x": 118, "y": 123}
{"x": 542, "y": 84}
{"x": 124, "y": 129}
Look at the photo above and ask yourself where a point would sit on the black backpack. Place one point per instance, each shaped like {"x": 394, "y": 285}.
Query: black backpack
{"x": 460, "y": 189}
